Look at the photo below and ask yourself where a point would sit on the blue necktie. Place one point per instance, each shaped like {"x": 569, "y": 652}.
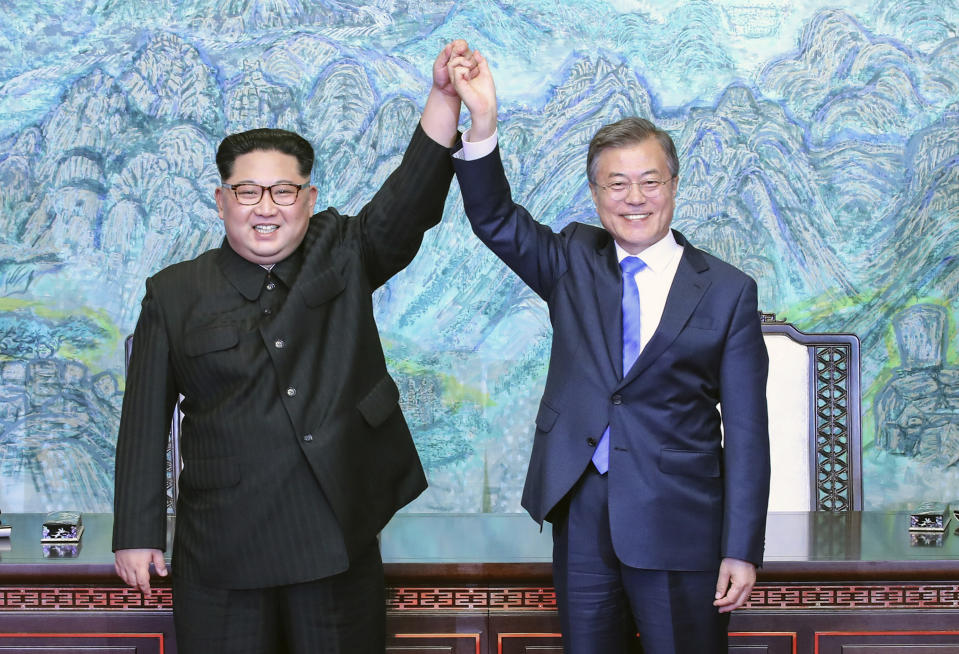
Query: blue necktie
{"x": 630, "y": 266}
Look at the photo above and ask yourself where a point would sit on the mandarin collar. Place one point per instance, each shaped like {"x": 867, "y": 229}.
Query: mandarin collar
{"x": 247, "y": 277}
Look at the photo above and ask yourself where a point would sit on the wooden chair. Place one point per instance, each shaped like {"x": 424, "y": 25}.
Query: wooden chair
{"x": 814, "y": 419}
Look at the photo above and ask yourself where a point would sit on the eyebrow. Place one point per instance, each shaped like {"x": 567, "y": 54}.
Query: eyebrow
{"x": 651, "y": 171}
{"x": 279, "y": 181}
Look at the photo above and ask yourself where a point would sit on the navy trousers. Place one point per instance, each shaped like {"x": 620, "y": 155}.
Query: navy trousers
{"x": 342, "y": 614}
{"x": 602, "y": 602}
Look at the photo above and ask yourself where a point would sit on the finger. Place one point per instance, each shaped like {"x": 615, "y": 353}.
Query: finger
{"x": 143, "y": 580}
{"x": 443, "y": 58}
{"x": 461, "y": 60}
{"x": 459, "y": 75}
{"x": 722, "y": 583}
{"x": 159, "y": 564}
{"x": 735, "y": 598}
{"x": 122, "y": 574}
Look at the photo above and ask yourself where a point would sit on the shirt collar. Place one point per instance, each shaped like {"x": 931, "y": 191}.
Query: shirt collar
{"x": 658, "y": 255}
{"x": 247, "y": 277}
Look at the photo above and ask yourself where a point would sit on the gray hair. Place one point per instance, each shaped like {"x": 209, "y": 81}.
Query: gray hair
{"x": 625, "y": 132}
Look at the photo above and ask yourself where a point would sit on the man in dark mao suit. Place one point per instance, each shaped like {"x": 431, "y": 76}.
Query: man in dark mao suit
{"x": 656, "y": 510}
{"x": 295, "y": 452}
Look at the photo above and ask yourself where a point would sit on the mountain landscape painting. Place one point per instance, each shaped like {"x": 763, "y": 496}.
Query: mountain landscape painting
{"x": 819, "y": 152}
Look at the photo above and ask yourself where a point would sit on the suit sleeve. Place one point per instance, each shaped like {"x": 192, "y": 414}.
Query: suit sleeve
{"x": 743, "y": 372}
{"x": 392, "y": 224}
{"x": 532, "y": 250}
{"x": 139, "y": 519}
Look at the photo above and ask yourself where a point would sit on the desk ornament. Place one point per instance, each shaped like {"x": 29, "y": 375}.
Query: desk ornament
{"x": 928, "y": 523}
{"x": 62, "y": 527}
{"x": 930, "y": 516}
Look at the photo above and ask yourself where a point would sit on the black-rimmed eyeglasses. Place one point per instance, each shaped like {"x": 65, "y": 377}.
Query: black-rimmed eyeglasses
{"x": 282, "y": 194}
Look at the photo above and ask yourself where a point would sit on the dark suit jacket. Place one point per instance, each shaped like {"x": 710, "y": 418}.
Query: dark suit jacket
{"x": 678, "y": 499}
{"x": 295, "y": 450}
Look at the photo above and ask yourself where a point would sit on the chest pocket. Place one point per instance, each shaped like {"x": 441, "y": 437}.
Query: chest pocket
{"x": 322, "y": 288}
{"x": 211, "y": 339}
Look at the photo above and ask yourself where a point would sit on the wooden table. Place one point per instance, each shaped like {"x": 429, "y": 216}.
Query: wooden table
{"x": 481, "y": 583}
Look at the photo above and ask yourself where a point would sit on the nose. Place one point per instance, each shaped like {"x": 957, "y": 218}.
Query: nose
{"x": 266, "y": 206}
{"x": 635, "y": 195}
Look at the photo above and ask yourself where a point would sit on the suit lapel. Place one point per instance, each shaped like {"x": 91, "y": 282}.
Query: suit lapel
{"x": 686, "y": 291}
{"x": 609, "y": 295}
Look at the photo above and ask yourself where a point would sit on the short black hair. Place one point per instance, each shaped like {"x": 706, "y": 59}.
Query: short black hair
{"x": 267, "y": 139}
{"x": 625, "y": 132}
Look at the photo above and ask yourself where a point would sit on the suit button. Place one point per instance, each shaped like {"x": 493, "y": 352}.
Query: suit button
{"x": 591, "y": 442}
{"x": 279, "y": 343}
{"x": 308, "y": 438}
{"x": 291, "y": 391}
{"x": 270, "y": 286}
{"x": 267, "y": 311}
{"x": 617, "y": 399}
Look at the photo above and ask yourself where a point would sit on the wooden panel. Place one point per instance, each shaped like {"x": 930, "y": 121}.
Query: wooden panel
{"x": 433, "y": 632}
{"x": 888, "y": 642}
{"x": 89, "y": 632}
{"x": 529, "y": 643}
{"x": 762, "y": 642}
{"x": 439, "y": 643}
{"x": 79, "y": 644}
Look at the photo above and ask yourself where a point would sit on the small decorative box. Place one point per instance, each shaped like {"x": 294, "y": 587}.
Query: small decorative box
{"x": 930, "y": 516}
{"x": 62, "y": 527}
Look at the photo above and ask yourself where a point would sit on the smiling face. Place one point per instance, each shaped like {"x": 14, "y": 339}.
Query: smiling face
{"x": 635, "y": 221}
{"x": 265, "y": 232}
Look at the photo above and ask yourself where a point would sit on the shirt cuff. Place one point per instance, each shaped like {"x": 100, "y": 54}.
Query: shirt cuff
{"x": 473, "y": 150}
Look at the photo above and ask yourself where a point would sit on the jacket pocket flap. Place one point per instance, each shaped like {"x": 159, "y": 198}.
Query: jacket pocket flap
{"x": 210, "y": 339}
{"x": 702, "y": 323}
{"x": 201, "y": 474}
{"x": 322, "y": 288}
{"x": 546, "y": 417}
{"x": 689, "y": 462}
{"x": 380, "y": 402}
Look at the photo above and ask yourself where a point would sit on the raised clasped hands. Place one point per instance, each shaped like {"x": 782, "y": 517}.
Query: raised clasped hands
{"x": 471, "y": 78}
{"x": 441, "y": 114}
{"x": 459, "y": 52}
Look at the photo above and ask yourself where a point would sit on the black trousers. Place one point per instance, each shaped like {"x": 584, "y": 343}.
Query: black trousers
{"x": 602, "y": 602}
{"x": 343, "y": 614}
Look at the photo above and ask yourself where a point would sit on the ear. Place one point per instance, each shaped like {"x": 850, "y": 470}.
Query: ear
{"x": 314, "y": 194}
{"x": 594, "y": 191}
{"x": 218, "y": 196}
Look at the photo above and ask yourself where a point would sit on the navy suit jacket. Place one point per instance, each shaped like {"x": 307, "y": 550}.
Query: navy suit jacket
{"x": 295, "y": 451}
{"x": 681, "y": 494}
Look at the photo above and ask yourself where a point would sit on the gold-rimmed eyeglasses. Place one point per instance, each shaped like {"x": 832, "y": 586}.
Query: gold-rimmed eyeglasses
{"x": 650, "y": 188}
{"x": 283, "y": 194}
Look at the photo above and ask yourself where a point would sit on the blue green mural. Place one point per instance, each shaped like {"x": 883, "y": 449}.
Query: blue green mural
{"x": 819, "y": 149}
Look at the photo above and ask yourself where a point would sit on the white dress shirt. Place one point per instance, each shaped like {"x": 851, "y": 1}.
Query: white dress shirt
{"x": 654, "y": 281}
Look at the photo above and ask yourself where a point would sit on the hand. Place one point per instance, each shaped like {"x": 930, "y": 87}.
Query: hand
{"x": 442, "y": 111}
{"x": 736, "y": 581}
{"x": 133, "y": 566}
{"x": 474, "y": 84}
{"x": 459, "y": 50}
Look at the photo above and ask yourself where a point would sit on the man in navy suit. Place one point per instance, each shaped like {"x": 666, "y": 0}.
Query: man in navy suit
{"x": 657, "y": 501}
